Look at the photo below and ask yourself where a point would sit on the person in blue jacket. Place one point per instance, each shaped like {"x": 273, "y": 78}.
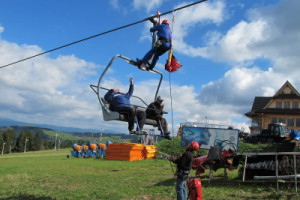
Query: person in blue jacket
{"x": 120, "y": 102}
{"x": 164, "y": 43}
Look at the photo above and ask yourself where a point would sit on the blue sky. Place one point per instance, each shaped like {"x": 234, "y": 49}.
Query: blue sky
{"x": 231, "y": 51}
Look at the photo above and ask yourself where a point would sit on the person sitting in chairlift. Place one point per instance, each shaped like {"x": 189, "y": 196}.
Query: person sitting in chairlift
{"x": 120, "y": 102}
{"x": 155, "y": 111}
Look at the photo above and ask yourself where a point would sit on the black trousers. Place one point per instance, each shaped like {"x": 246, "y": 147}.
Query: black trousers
{"x": 163, "y": 122}
{"x": 130, "y": 112}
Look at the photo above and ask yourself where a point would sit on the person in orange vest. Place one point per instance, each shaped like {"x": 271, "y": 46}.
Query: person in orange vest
{"x": 163, "y": 44}
{"x": 184, "y": 165}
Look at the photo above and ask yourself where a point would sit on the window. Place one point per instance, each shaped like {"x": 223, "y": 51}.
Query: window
{"x": 281, "y": 120}
{"x": 274, "y": 120}
{"x": 295, "y": 105}
{"x": 278, "y": 104}
{"x": 298, "y": 122}
{"x": 291, "y": 122}
{"x": 255, "y": 122}
{"x": 286, "y": 104}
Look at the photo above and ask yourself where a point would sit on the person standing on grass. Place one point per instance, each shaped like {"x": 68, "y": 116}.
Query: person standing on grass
{"x": 184, "y": 165}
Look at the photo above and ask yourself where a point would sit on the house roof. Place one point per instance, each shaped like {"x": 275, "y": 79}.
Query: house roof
{"x": 287, "y": 84}
{"x": 261, "y": 104}
{"x": 258, "y": 104}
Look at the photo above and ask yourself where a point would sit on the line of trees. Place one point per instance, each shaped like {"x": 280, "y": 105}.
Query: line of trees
{"x": 32, "y": 140}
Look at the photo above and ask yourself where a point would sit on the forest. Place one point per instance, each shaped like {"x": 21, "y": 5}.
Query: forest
{"x": 17, "y": 138}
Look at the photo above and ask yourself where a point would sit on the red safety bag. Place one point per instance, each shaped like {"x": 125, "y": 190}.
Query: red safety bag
{"x": 173, "y": 65}
{"x": 195, "y": 188}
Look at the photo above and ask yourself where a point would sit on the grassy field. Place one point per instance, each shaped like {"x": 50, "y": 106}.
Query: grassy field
{"x": 49, "y": 175}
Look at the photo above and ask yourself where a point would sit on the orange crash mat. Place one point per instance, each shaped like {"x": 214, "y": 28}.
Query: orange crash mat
{"x": 129, "y": 151}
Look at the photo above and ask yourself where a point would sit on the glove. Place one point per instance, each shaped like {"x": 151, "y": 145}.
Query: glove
{"x": 153, "y": 21}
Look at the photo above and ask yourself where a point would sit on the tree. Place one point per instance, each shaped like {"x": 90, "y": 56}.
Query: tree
{"x": 1, "y": 140}
{"x": 25, "y": 135}
{"x": 1, "y": 137}
{"x": 37, "y": 142}
{"x": 9, "y": 139}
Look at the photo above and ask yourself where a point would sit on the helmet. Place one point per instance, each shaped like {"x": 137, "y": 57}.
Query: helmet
{"x": 165, "y": 22}
{"x": 195, "y": 145}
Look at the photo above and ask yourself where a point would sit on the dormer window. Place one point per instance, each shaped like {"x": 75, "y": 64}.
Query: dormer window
{"x": 286, "y": 104}
{"x": 295, "y": 105}
{"x": 278, "y": 104}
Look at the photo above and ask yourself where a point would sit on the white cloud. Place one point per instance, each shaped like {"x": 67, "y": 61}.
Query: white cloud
{"x": 270, "y": 33}
{"x": 114, "y": 4}
{"x": 191, "y": 19}
{"x": 46, "y": 90}
{"x": 147, "y": 5}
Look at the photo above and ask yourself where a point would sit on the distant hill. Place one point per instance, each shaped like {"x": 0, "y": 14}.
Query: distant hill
{"x": 50, "y": 135}
{"x": 10, "y": 122}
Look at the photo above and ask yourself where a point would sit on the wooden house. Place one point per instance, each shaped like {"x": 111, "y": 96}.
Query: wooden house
{"x": 283, "y": 107}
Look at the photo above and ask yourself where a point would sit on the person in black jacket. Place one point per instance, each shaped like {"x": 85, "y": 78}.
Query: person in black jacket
{"x": 155, "y": 111}
{"x": 184, "y": 165}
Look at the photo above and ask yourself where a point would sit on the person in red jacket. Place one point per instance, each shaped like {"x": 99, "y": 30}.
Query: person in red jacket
{"x": 184, "y": 165}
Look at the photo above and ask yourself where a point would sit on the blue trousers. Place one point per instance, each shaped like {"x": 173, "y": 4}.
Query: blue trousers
{"x": 156, "y": 52}
{"x": 181, "y": 189}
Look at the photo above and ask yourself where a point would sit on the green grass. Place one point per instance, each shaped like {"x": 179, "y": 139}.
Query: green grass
{"x": 51, "y": 175}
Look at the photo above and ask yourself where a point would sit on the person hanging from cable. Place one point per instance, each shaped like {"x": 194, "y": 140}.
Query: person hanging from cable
{"x": 163, "y": 44}
{"x": 155, "y": 111}
{"x": 120, "y": 102}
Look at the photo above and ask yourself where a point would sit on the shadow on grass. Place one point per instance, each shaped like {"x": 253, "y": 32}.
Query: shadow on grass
{"x": 27, "y": 197}
{"x": 169, "y": 182}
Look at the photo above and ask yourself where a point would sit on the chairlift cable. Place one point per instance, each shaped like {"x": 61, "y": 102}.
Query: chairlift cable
{"x": 100, "y": 34}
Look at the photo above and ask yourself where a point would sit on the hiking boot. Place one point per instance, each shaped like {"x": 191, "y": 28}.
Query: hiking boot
{"x": 138, "y": 62}
{"x": 149, "y": 68}
{"x": 143, "y": 67}
{"x": 133, "y": 132}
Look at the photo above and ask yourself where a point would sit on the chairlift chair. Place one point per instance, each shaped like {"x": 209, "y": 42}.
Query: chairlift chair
{"x": 109, "y": 115}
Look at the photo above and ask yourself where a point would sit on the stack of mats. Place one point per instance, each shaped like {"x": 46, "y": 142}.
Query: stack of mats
{"x": 129, "y": 151}
{"x": 149, "y": 152}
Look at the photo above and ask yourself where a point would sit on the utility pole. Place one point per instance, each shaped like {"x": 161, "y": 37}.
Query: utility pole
{"x": 26, "y": 140}
{"x": 101, "y": 135}
{"x": 3, "y": 148}
{"x": 58, "y": 144}
{"x": 55, "y": 141}
{"x": 9, "y": 149}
